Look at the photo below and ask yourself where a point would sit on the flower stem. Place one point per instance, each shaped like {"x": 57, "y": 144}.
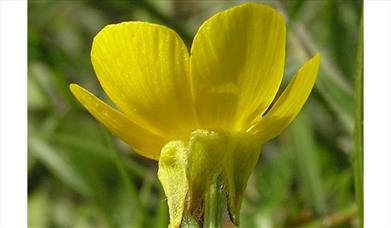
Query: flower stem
{"x": 214, "y": 204}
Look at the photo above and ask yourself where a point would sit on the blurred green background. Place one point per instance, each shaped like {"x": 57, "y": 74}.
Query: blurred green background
{"x": 81, "y": 176}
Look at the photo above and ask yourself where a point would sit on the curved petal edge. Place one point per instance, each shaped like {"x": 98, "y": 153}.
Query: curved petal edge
{"x": 142, "y": 140}
{"x": 143, "y": 68}
{"x": 237, "y": 63}
{"x": 289, "y": 104}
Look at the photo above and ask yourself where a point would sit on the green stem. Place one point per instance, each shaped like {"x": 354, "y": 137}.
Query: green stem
{"x": 214, "y": 204}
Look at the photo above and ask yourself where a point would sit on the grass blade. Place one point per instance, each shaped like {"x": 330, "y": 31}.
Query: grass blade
{"x": 358, "y": 166}
{"x": 305, "y": 150}
{"x": 52, "y": 159}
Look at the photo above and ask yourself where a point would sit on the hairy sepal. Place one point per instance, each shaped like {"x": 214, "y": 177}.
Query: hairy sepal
{"x": 187, "y": 170}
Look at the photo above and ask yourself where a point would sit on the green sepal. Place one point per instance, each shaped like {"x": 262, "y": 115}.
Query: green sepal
{"x": 187, "y": 171}
{"x": 237, "y": 171}
{"x": 189, "y": 222}
{"x": 173, "y": 177}
{"x": 207, "y": 157}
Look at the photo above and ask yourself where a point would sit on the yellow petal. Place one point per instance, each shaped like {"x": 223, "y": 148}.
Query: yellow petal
{"x": 144, "y": 68}
{"x": 143, "y": 141}
{"x": 289, "y": 103}
{"x": 236, "y": 62}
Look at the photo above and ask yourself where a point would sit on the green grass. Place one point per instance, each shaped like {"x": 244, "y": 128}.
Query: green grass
{"x": 359, "y": 156}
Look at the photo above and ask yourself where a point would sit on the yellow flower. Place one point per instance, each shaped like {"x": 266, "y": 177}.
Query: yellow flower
{"x": 205, "y": 114}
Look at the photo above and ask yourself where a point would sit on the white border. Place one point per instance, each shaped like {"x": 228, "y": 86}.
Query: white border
{"x": 13, "y": 116}
{"x": 377, "y": 114}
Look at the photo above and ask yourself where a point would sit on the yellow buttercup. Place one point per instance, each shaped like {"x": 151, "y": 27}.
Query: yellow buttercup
{"x": 205, "y": 114}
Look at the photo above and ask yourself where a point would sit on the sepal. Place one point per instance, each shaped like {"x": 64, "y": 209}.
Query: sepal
{"x": 207, "y": 157}
{"x": 173, "y": 177}
{"x": 188, "y": 170}
{"x": 238, "y": 170}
